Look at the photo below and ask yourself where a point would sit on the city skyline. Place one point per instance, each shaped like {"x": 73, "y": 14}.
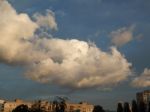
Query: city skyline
{"x": 50, "y": 105}
{"x": 94, "y": 50}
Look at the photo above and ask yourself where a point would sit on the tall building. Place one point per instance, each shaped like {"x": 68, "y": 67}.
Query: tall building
{"x": 143, "y": 97}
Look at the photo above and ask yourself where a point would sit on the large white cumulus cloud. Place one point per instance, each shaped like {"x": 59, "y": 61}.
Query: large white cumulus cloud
{"x": 15, "y": 31}
{"x": 69, "y": 63}
{"x": 143, "y": 80}
{"x": 78, "y": 64}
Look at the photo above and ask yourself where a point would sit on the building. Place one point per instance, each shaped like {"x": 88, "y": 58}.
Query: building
{"x": 143, "y": 97}
{"x": 1, "y": 101}
{"x": 43, "y": 105}
{"x": 80, "y": 107}
{"x": 1, "y": 104}
{"x": 8, "y": 106}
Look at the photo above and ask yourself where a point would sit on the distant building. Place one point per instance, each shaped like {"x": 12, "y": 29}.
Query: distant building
{"x": 8, "y": 106}
{"x": 1, "y": 101}
{"x": 43, "y": 105}
{"x": 143, "y": 97}
{"x": 1, "y": 104}
{"x": 81, "y": 107}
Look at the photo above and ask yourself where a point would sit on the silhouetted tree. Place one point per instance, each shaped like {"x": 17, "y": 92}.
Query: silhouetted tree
{"x": 56, "y": 107}
{"x": 59, "y": 105}
{"x": 149, "y": 106}
{"x": 98, "y": 108}
{"x": 21, "y": 108}
{"x": 36, "y": 107}
{"x": 142, "y": 107}
{"x": 134, "y": 106}
{"x": 63, "y": 106}
{"x": 127, "y": 107}
{"x": 119, "y": 107}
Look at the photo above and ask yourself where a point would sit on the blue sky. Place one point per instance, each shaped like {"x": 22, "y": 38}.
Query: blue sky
{"x": 87, "y": 20}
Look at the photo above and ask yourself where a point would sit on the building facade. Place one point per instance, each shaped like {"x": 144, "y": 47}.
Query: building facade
{"x": 80, "y": 107}
{"x": 143, "y": 97}
{"x": 1, "y": 104}
{"x": 8, "y": 106}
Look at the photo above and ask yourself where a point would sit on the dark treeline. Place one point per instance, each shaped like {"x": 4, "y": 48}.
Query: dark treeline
{"x": 58, "y": 105}
{"x": 57, "y": 108}
{"x": 135, "y": 107}
{"x": 37, "y": 107}
{"x": 98, "y": 108}
{"x": 61, "y": 107}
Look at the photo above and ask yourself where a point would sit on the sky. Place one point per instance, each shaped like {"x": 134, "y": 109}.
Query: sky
{"x": 89, "y": 50}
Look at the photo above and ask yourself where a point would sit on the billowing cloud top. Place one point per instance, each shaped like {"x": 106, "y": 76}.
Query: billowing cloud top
{"x": 47, "y": 21}
{"x": 79, "y": 64}
{"x": 69, "y": 63}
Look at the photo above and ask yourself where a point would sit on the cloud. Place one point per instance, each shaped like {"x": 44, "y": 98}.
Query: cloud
{"x": 47, "y": 20}
{"x": 78, "y": 64}
{"x": 122, "y": 36}
{"x": 143, "y": 80}
{"x": 15, "y": 32}
{"x": 69, "y": 63}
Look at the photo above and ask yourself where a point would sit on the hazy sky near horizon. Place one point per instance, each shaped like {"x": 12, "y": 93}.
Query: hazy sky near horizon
{"x": 108, "y": 39}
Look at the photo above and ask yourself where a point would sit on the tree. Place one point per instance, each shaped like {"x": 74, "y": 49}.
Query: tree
{"x": 149, "y": 106}
{"x": 63, "y": 106}
{"x": 59, "y": 104}
{"x": 142, "y": 107}
{"x": 56, "y": 106}
{"x": 36, "y": 107}
{"x": 21, "y": 108}
{"x": 134, "y": 106}
{"x": 119, "y": 107}
{"x": 98, "y": 108}
{"x": 126, "y": 107}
